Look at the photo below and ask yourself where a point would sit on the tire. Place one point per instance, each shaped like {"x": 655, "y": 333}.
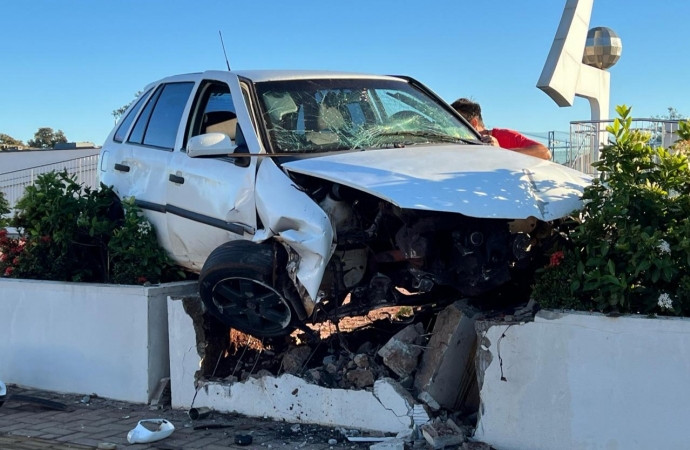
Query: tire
{"x": 237, "y": 285}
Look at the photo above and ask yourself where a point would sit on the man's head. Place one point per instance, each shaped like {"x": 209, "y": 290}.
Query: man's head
{"x": 471, "y": 111}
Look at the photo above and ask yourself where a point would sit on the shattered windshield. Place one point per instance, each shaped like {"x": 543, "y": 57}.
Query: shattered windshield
{"x": 305, "y": 116}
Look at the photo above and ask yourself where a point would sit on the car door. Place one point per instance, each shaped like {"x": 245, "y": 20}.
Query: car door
{"x": 116, "y": 153}
{"x": 211, "y": 199}
{"x": 151, "y": 143}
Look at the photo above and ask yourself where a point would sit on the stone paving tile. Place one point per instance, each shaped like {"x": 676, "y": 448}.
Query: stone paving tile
{"x": 22, "y": 443}
{"x": 103, "y": 420}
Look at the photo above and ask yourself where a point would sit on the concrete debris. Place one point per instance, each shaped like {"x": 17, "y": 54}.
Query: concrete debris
{"x": 86, "y": 399}
{"x": 429, "y": 401}
{"x": 446, "y": 376}
{"x": 440, "y": 435}
{"x": 526, "y": 312}
{"x": 107, "y": 446}
{"x": 393, "y": 444}
{"x": 476, "y": 446}
{"x": 400, "y": 353}
{"x": 361, "y": 378}
{"x": 295, "y": 359}
{"x": 406, "y": 436}
{"x": 332, "y": 441}
{"x": 362, "y": 361}
{"x": 161, "y": 396}
{"x": 296, "y": 428}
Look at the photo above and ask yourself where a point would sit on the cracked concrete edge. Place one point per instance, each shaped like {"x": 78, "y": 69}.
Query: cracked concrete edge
{"x": 194, "y": 308}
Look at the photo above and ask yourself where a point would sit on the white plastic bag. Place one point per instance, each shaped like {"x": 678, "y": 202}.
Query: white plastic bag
{"x": 142, "y": 435}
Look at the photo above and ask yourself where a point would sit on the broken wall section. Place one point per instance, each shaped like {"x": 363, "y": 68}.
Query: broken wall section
{"x": 584, "y": 381}
{"x": 386, "y": 406}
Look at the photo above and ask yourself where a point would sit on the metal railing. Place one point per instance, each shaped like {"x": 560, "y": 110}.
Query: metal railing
{"x": 588, "y": 137}
{"x": 12, "y": 184}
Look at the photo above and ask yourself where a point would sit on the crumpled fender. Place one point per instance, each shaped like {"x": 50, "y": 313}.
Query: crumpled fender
{"x": 293, "y": 218}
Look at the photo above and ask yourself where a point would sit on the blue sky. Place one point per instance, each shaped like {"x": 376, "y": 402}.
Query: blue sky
{"x": 67, "y": 64}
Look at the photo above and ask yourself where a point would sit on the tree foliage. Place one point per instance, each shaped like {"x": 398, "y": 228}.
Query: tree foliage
{"x": 45, "y": 137}
{"x": 117, "y": 113}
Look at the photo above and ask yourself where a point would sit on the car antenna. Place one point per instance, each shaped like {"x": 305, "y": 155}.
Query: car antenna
{"x": 225, "y": 54}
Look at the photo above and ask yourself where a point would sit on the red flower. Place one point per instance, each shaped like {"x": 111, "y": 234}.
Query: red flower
{"x": 3, "y": 257}
{"x": 8, "y": 271}
{"x": 3, "y": 232}
{"x": 556, "y": 259}
{"x": 45, "y": 238}
{"x": 141, "y": 280}
{"x": 15, "y": 261}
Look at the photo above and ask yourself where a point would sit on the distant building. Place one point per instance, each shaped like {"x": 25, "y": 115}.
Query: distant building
{"x": 74, "y": 145}
{"x": 11, "y": 147}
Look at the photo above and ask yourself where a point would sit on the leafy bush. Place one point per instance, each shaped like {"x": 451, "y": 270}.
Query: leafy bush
{"x": 71, "y": 233}
{"x": 631, "y": 245}
{"x": 4, "y": 209}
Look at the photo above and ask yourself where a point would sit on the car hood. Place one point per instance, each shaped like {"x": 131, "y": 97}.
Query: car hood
{"x": 474, "y": 180}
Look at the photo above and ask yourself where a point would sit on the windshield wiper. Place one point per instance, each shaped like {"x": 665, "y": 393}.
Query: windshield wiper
{"x": 431, "y": 135}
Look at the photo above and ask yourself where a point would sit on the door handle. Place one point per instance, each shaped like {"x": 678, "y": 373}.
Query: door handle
{"x": 121, "y": 167}
{"x": 176, "y": 179}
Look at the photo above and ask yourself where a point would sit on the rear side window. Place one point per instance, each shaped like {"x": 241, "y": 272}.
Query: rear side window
{"x": 159, "y": 121}
{"x": 137, "y": 135}
{"x": 121, "y": 132}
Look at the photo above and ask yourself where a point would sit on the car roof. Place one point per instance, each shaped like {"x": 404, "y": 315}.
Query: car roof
{"x": 258, "y": 76}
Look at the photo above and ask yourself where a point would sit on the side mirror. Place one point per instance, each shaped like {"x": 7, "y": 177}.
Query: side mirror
{"x": 210, "y": 144}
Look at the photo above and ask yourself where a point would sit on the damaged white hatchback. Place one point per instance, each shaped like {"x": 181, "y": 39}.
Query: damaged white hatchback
{"x": 287, "y": 191}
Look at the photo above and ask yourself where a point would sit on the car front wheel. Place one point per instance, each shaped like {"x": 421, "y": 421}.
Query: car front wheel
{"x": 238, "y": 285}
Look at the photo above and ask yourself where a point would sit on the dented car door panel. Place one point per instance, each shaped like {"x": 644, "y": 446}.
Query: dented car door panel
{"x": 210, "y": 199}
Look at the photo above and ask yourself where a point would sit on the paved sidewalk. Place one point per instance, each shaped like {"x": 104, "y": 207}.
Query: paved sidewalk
{"x": 26, "y": 426}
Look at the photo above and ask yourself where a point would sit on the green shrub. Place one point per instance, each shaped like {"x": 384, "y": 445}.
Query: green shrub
{"x": 4, "y": 210}
{"x": 71, "y": 233}
{"x": 631, "y": 247}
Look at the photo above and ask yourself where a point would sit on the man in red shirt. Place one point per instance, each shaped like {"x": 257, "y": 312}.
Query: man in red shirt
{"x": 509, "y": 139}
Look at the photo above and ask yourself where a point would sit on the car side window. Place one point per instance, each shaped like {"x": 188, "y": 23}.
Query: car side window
{"x": 122, "y": 130}
{"x": 213, "y": 111}
{"x": 137, "y": 134}
{"x": 159, "y": 121}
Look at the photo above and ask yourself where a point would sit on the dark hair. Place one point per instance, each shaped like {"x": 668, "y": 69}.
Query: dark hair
{"x": 468, "y": 109}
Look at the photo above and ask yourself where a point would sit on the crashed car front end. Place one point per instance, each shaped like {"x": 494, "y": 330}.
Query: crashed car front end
{"x": 397, "y": 208}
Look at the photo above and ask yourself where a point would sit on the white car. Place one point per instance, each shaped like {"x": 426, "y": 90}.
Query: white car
{"x": 286, "y": 191}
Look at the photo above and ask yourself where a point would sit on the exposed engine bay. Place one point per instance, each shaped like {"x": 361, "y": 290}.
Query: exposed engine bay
{"x": 388, "y": 255}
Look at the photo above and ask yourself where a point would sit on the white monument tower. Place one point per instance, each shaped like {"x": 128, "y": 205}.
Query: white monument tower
{"x": 577, "y": 62}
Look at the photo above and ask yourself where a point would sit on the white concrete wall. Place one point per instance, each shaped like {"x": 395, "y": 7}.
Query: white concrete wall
{"x": 85, "y": 338}
{"x": 586, "y": 381}
{"x": 388, "y": 408}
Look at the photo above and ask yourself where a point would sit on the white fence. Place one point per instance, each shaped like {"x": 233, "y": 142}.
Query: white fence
{"x": 587, "y": 138}
{"x": 12, "y": 184}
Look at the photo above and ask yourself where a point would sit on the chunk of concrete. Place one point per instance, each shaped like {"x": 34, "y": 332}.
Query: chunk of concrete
{"x": 393, "y": 444}
{"x": 440, "y": 439}
{"x": 396, "y": 399}
{"x": 400, "y": 353}
{"x": 447, "y": 374}
{"x": 361, "y": 378}
{"x": 294, "y": 360}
